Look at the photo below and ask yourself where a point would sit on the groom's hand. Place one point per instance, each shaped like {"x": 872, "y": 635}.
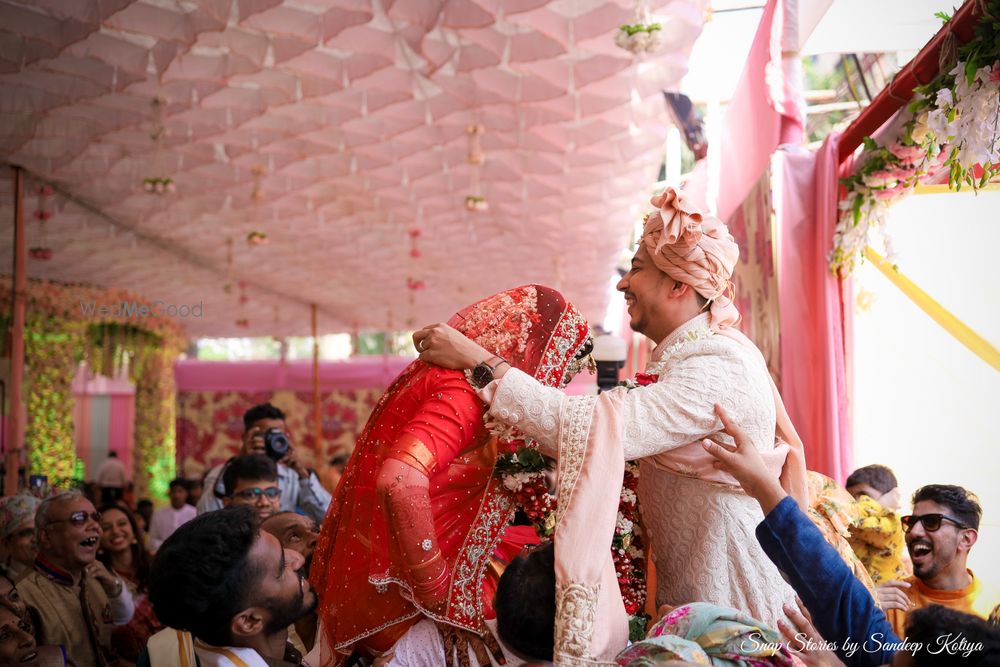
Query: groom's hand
{"x": 744, "y": 462}
{"x": 441, "y": 345}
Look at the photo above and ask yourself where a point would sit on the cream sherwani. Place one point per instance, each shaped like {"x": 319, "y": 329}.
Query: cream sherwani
{"x": 700, "y": 525}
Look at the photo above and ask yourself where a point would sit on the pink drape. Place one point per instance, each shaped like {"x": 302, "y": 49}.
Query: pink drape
{"x": 763, "y": 113}
{"x": 81, "y": 426}
{"x": 121, "y": 420}
{"x": 815, "y": 320}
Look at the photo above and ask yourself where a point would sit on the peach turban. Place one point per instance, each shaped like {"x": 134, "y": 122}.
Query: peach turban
{"x": 693, "y": 249}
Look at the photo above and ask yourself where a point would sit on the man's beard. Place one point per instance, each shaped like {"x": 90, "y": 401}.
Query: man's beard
{"x": 284, "y": 613}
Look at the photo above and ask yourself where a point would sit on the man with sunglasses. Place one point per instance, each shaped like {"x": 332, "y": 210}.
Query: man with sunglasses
{"x": 252, "y": 480}
{"x": 940, "y": 533}
{"x": 73, "y": 598}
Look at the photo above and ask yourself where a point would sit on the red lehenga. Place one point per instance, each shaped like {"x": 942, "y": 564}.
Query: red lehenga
{"x": 431, "y": 418}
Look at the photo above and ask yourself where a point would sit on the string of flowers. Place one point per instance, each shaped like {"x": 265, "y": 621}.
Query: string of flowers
{"x": 475, "y": 201}
{"x": 42, "y": 215}
{"x": 641, "y": 36}
{"x": 638, "y": 38}
{"x": 952, "y": 124}
{"x": 522, "y": 471}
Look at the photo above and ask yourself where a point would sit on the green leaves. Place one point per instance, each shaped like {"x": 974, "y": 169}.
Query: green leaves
{"x": 526, "y": 459}
{"x": 944, "y": 16}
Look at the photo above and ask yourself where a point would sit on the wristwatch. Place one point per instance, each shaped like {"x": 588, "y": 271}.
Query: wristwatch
{"x": 482, "y": 374}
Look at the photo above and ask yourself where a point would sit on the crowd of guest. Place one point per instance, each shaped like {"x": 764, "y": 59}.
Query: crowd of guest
{"x": 87, "y": 579}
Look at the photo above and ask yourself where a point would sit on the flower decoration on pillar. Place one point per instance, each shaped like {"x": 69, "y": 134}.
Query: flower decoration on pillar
{"x": 42, "y": 215}
{"x": 642, "y": 36}
{"x": 415, "y": 285}
{"x": 475, "y": 201}
{"x": 158, "y": 184}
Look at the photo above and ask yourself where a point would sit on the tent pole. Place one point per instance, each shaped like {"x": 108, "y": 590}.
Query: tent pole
{"x": 317, "y": 420}
{"x": 15, "y": 427}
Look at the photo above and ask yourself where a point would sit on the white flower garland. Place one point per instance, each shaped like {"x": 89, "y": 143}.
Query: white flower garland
{"x": 956, "y": 127}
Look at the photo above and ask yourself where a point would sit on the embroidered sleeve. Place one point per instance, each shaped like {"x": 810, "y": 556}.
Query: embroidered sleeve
{"x": 446, "y": 423}
{"x": 680, "y": 408}
{"x": 675, "y": 411}
{"x": 529, "y": 406}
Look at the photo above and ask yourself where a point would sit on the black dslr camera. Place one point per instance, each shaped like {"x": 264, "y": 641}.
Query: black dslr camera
{"x": 275, "y": 444}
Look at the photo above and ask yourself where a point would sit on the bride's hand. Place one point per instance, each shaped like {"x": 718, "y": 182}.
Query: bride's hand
{"x": 441, "y": 345}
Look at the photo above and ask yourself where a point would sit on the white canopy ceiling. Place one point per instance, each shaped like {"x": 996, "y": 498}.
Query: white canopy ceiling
{"x": 350, "y": 119}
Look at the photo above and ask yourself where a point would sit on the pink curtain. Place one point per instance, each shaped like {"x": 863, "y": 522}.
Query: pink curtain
{"x": 815, "y": 320}
{"x": 81, "y": 423}
{"x": 763, "y": 113}
{"x": 121, "y": 420}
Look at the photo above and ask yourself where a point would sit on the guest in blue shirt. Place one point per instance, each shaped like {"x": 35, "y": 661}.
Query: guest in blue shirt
{"x": 841, "y": 608}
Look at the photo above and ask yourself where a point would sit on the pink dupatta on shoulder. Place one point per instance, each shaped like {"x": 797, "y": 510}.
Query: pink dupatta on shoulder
{"x": 591, "y": 622}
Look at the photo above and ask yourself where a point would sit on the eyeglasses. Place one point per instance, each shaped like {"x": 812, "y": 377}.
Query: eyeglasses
{"x": 255, "y": 492}
{"x": 79, "y": 518}
{"x": 931, "y": 521}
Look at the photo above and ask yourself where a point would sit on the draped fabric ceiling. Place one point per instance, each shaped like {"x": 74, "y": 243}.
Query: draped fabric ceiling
{"x": 350, "y": 117}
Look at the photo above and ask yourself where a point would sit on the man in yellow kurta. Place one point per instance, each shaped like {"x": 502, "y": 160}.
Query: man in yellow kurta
{"x": 939, "y": 534}
{"x": 75, "y": 601}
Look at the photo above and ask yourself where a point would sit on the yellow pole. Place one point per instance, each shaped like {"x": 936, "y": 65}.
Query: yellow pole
{"x": 956, "y": 327}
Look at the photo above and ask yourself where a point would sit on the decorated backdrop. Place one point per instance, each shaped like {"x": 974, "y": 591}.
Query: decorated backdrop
{"x": 212, "y": 397}
{"x": 115, "y": 332}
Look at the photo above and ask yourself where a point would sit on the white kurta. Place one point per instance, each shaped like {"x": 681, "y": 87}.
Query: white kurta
{"x": 702, "y": 534}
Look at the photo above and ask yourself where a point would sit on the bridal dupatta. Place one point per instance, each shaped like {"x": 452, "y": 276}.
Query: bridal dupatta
{"x": 365, "y": 600}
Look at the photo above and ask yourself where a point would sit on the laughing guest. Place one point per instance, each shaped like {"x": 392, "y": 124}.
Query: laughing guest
{"x": 73, "y": 598}
{"x": 939, "y": 534}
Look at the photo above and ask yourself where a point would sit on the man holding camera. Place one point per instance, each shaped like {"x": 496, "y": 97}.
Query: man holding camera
{"x": 265, "y": 433}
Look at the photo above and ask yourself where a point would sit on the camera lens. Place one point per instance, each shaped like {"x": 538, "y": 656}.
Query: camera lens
{"x": 275, "y": 444}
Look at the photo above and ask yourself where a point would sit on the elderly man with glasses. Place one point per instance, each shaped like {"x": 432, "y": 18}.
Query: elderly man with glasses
{"x": 940, "y": 533}
{"x": 73, "y": 598}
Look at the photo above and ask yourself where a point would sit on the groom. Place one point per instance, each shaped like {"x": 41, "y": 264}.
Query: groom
{"x": 699, "y": 523}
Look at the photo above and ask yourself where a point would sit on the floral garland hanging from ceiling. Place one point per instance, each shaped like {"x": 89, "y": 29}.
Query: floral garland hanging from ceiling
{"x": 42, "y": 216}
{"x": 642, "y": 36}
{"x": 158, "y": 184}
{"x": 475, "y": 201}
{"x": 952, "y": 124}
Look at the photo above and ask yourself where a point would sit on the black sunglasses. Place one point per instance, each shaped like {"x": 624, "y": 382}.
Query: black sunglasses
{"x": 931, "y": 521}
{"x": 79, "y": 518}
